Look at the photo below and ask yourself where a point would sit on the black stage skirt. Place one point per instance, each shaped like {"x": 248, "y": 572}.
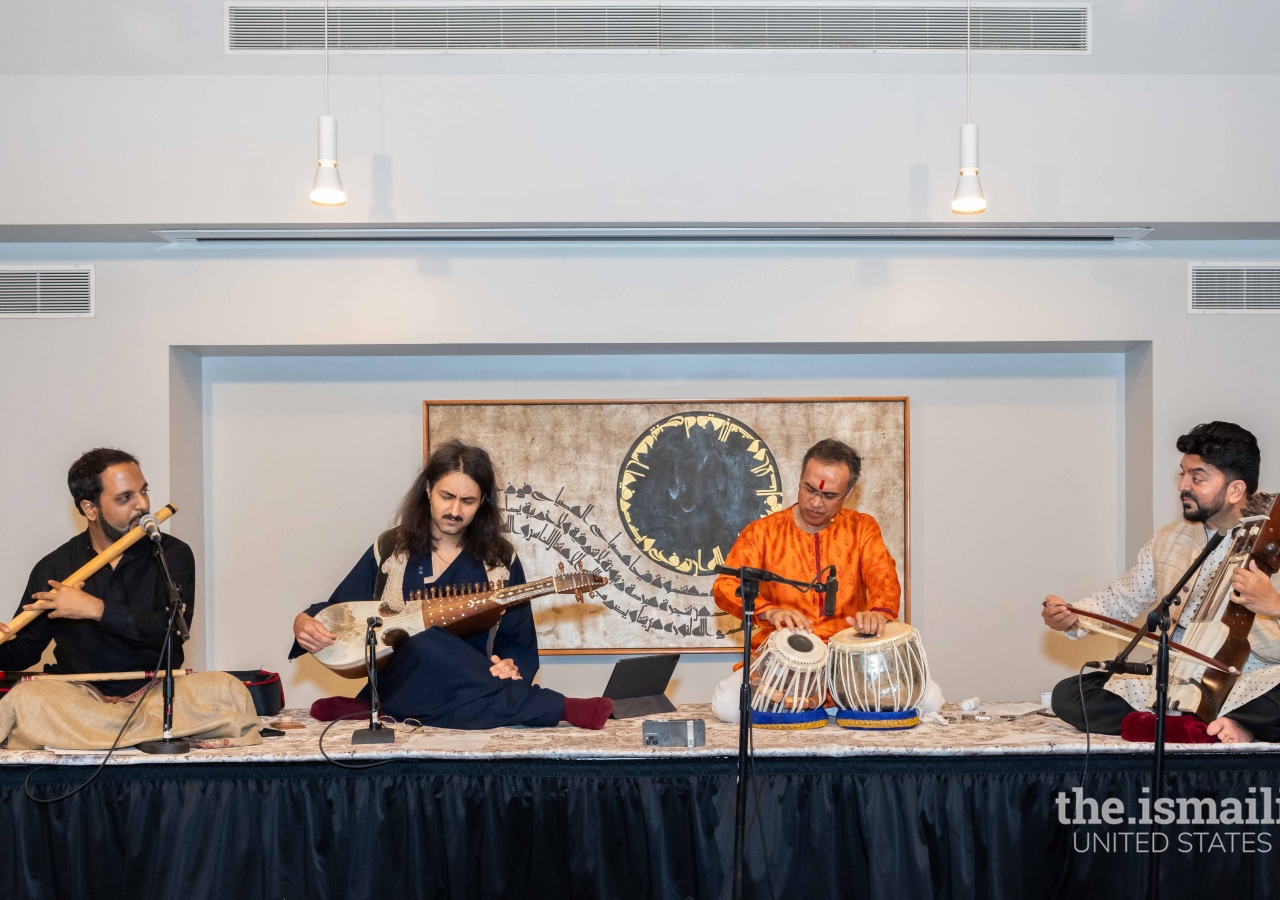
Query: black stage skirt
{"x": 892, "y": 827}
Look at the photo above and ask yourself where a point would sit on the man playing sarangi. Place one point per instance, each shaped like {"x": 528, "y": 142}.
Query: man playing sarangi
{"x": 800, "y": 542}
{"x": 448, "y": 534}
{"x": 1219, "y": 473}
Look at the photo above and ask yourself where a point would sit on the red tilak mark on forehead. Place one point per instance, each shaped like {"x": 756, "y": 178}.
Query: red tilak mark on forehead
{"x": 821, "y": 485}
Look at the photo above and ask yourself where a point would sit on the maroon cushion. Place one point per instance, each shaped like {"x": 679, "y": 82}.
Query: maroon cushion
{"x": 1141, "y": 726}
{"x": 326, "y": 709}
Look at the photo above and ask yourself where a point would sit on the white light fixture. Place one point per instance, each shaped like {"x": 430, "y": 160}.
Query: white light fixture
{"x": 326, "y": 190}
{"x": 968, "y": 199}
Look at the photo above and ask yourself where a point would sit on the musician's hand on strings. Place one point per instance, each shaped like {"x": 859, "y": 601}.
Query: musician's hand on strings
{"x": 785, "y": 618}
{"x": 868, "y": 622}
{"x": 1251, "y": 588}
{"x": 504, "y": 668}
{"x": 311, "y": 635}
{"x": 66, "y": 601}
{"x": 1057, "y": 615}
{"x": 1229, "y": 731}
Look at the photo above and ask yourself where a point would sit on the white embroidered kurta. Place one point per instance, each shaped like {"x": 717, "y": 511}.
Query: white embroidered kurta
{"x": 1160, "y": 564}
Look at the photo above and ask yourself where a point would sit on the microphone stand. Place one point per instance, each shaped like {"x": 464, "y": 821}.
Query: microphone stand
{"x": 748, "y": 591}
{"x": 177, "y": 629}
{"x": 1159, "y": 617}
{"x": 376, "y": 733}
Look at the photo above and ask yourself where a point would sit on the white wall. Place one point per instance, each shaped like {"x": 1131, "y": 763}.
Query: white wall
{"x": 308, "y": 458}
{"x": 133, "y": 112}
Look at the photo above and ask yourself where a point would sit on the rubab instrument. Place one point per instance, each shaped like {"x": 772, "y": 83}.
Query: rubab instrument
{"x": 1206, "y": 663}
{"x": 465, "y": 611}
{"x": 105, "y": 558}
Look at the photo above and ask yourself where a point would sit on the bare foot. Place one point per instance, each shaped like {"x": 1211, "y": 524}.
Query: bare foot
{"x": 1229, "y": 731}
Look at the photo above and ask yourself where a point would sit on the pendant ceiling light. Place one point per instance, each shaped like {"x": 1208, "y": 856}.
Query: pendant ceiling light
{"x": 968, "y": 198}
{"x": 326, "y": 190}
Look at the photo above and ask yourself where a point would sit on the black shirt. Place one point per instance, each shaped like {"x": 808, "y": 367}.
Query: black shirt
{"x": 133, "y": 624}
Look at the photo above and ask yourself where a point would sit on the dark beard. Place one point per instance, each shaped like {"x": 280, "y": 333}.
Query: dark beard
{"x": 1205, "y": 513}
{"x": 109, "y": 531}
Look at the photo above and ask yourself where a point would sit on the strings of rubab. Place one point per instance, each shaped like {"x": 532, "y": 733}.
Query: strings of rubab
{"x": 448, "y": 598}
{"x": 451, "y": 597}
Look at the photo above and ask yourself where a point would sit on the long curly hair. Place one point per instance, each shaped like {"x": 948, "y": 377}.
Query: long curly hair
{"x": 483, "y": 538}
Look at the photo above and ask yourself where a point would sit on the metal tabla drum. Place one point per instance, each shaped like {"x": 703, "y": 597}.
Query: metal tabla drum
{"x": 789, "y": 681}
{"x": 876, "y": 682}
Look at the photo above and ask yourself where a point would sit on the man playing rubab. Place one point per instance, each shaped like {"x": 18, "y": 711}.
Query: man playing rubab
{"x": 1219, "y": 473}
{"x": 448, "y": 535}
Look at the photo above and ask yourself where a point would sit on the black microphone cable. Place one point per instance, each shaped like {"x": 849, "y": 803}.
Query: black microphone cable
{"x": 370, "y": 662}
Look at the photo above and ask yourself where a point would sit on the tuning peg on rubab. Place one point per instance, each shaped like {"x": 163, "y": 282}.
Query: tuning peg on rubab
{"x": 561, "y": 567}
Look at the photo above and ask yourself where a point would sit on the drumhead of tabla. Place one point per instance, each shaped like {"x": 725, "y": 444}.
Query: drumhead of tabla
{"x": 853, "y": 640}
{"x": 800, "y": 649}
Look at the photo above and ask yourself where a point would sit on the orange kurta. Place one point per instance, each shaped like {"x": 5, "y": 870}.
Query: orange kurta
{"x": 851, "y": 542}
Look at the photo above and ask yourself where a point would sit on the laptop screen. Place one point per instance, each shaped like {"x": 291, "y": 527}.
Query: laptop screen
{"x": 641, "y": 676}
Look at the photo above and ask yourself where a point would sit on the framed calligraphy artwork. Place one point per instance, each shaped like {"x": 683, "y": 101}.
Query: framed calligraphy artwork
{"x": 652, "y": 494}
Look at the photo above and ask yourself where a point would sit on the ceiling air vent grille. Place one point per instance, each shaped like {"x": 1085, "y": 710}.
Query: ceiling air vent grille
{"x": 420, "y": 28}
{"x": 1235, "y": 287}
{"x": 48, "y": 293}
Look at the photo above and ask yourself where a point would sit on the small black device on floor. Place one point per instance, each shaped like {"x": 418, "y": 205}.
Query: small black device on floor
{"x": 638, "y": 685}
{"x": 675, "y": 733}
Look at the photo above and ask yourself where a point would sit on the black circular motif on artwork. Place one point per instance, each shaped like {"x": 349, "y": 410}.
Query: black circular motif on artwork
{"x": 690, "y": 483}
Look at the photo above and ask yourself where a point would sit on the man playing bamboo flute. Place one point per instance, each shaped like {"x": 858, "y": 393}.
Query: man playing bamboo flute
{"x": 115, "y": 621}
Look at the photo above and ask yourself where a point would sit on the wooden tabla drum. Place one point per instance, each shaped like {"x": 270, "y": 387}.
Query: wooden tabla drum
{"x": 789, "y": 681}
{"x": 874, "y": 681}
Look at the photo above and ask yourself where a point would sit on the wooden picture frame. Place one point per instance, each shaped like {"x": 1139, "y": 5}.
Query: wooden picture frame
{"x": 516, "y": 431}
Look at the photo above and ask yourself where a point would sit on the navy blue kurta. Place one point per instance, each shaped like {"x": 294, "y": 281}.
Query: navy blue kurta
{"x": 442, "y": 680}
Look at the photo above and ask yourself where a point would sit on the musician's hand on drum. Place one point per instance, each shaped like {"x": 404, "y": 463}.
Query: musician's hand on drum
{"x": 786, "y": 618}
{"x": 868, "y": 622}
{"x": 1229, "y": 731}
{"x": 504, "y": 668}
{"x": 1057, "y": 615}
{"x": 311, "y": 635}
{"x": 66, "y": 601}
{"x": 1252, "y": 589}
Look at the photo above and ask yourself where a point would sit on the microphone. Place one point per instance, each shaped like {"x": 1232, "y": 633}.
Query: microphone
{"x": 829, "y": 606}
{"x": 150, "y": 525}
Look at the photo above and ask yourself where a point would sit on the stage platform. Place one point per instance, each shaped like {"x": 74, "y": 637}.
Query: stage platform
{"x": 1025, "y": 733}
{"x": 963, "y": 810}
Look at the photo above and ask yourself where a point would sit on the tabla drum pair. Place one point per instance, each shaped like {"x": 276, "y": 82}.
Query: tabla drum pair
{"x": 877, "y": 682}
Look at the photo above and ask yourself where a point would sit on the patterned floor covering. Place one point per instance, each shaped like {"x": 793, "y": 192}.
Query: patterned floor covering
{"x": 994, "y": 729}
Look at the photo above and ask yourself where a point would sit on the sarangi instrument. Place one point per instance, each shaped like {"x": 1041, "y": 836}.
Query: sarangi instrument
{"x": 1208, "y": 660}
{"x": 464, "y": 611}
{"x": 103, "y": 559}
{"x": 1220, "y": 628}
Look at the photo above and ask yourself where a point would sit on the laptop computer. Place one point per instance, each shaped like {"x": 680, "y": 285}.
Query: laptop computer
{"x": 638, "y": 685}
